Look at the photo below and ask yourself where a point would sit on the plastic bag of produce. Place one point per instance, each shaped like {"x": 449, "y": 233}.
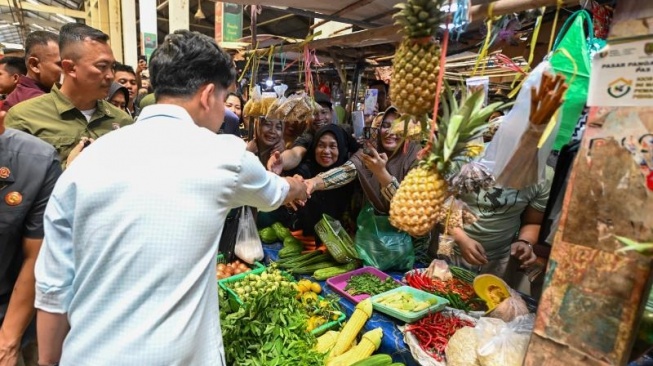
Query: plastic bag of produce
{"x": 510, "y": 308}
{"x": 461, "y": 349}
{"x": 501, "y": 343}
{"x": 381, "y": 245}
{"x": 248, "y": 243}
{"x": 253, "y": 106}
{"x": 439, "y": 269}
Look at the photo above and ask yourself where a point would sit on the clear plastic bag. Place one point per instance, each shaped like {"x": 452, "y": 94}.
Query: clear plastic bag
{"x": 253, "y": 107}
{"x": 273, "y": 111}
{"x": 514, "y": 125}
{"x": 455, "y": 213}
{"x": 510, "y": 308}
{"x": 439, "y": 269}
{"x": 248, "y": 244}
{"x": 501, "y": 343}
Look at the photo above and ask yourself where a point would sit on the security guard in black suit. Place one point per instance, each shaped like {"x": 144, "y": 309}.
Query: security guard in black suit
{"x": 29, "y": 169}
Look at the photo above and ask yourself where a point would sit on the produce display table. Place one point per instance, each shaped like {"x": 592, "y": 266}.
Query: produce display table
{"x": 392, "y": 342}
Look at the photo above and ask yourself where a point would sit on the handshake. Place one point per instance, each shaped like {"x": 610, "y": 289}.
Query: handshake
{"x": 299, "y": 192}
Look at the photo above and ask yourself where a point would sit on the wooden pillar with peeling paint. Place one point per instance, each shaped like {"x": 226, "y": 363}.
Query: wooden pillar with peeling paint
{"x": 178, "y": 15}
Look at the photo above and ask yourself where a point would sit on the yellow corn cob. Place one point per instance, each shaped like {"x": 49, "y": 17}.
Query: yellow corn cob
{"x": 326, "y": 341}
{"x": 354, "y": 325}
{"x": 368, "y": 344}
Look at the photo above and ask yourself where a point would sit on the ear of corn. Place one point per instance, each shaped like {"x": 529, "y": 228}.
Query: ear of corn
{"x": 364, "y": 349}
{"x": 326, "y": 341}
{"x": 354, "y": 325}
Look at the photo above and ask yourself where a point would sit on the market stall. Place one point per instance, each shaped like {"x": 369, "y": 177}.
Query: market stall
{"x": 458, "y": 307}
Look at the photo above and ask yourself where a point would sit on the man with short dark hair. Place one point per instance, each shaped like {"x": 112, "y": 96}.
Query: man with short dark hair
{"x": 126, "y": 76}
{"x": 11, "y": 69}
{"x": 43, "y": 66}
{"x": 77, "y": 110}
{"x": 126, "y": 274}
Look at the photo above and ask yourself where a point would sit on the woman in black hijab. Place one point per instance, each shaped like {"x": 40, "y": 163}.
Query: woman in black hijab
{"x": 328, "y": 150}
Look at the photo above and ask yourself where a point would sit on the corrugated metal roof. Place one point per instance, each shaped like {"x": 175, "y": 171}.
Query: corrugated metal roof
{"x": 11, "y": 32}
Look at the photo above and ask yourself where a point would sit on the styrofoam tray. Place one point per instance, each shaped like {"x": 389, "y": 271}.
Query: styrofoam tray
{"x": 338, "y": 283}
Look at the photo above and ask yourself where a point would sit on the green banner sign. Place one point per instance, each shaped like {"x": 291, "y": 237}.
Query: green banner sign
{"x": 150, "y": 42}
{"x": 232, "y": 22}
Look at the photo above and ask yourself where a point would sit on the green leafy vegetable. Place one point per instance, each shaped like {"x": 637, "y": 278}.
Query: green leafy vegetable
{"x": 270, "y": 329}
{"x": 367, "y": 283}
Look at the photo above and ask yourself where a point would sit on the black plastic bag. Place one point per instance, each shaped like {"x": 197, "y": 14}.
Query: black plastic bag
{"x": 229, "y": 234}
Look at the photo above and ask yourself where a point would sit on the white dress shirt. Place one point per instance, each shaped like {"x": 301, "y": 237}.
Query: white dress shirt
{"x": 131, "y": 235}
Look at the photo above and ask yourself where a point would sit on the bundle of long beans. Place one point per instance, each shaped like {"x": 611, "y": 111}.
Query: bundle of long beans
{"x": 522, "y": 168}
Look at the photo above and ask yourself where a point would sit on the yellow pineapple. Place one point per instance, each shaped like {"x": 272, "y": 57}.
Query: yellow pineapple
{"x": 415, "y": 207}
{"x": 416, "y": 62}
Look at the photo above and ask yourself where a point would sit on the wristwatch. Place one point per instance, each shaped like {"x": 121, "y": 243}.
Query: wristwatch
{"x": 526, "y": 242}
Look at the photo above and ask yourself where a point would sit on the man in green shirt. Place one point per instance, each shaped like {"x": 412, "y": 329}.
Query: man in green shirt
{"x": 508, "y": 225}
{"x": 77, "y": 110}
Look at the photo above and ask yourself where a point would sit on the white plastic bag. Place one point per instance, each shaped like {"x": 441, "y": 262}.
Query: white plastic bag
{"x": 510, "y": 308}
{"x": 248, "y": 244}
{"x": 501, "y": 343}
{"x": 514, "y": 125}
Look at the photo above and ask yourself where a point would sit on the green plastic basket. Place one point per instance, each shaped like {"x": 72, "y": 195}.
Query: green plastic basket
{"x": 255, "y": 266}
{"x": 335, "y": 237}
{"x": 235, "y": 302}
{"x": 410, "y": 316}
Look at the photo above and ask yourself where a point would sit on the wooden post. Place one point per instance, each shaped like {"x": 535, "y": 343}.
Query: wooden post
{"x": 593, "y": 295}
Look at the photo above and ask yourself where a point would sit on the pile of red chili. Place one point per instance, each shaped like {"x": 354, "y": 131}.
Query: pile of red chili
{"x": 421, "y": 281}
{"x": 434, "y": 331}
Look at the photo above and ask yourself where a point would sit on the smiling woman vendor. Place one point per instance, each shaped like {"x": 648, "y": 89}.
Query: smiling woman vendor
{"x": 328, "y": 150}
{"x": 379, "y": 172}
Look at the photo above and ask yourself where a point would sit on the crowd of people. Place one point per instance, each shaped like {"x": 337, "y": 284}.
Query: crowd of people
{"x": 117, "y": 183}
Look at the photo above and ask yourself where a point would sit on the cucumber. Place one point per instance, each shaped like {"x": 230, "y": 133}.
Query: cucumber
{"x": 375, "y": 360}
{"x": 326, "y": 273}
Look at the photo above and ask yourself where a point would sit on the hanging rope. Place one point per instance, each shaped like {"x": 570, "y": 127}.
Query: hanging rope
{"x": 486, "y": 45}
{"x": 506, "y": 62}
{"x": 438, "y": 90}
{"x": 555, "y": 25}
{"x": 536, "y": 33}
{"x": 271, "y": 63}
{"x": 310, "y": 58}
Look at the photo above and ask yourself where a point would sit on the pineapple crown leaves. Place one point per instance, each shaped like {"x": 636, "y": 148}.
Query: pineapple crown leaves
{"x": 419, "y": 18}
{"x": 459, "y": 124}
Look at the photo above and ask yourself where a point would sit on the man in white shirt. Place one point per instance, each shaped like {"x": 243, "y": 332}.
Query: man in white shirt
{"x": 126, "y": 275}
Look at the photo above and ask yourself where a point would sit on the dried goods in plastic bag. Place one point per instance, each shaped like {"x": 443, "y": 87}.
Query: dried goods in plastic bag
{"x": 501, "y": 343}
{"x": 439, "y": 269}
{"x": 445, "y": 245}
{"x": 248, "y": 243}
{"x": 461, "y": 349}
{"x": 472, "y": 177}
{"x": 510, "y": 308}
{"x": 455, "y": 213}
{"x": 273, "y": 111}
{"x": 253, "y": 106}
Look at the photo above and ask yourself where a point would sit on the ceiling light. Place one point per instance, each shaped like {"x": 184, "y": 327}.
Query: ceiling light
{"x": 199, "y": 15}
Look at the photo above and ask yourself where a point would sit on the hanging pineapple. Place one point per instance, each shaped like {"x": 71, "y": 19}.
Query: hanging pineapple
{"x": 414, "y": 208}
{"x": 416, "y": 62}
